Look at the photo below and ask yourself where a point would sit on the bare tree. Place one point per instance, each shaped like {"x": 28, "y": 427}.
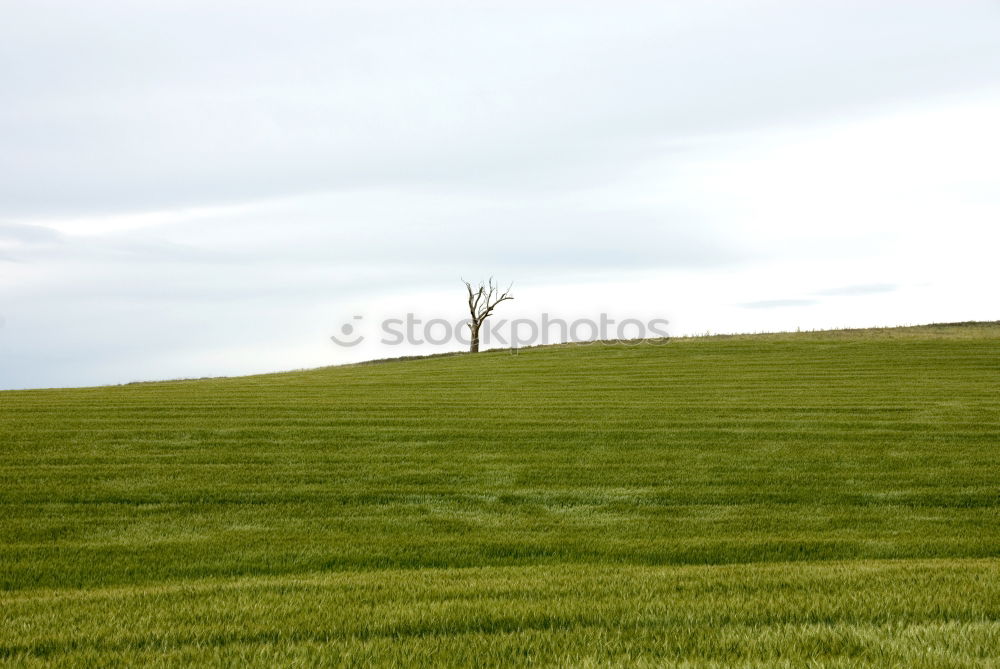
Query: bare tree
{"x": 483, "y": 299}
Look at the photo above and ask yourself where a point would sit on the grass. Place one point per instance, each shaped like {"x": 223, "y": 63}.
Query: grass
{"x": 822, "y": 499}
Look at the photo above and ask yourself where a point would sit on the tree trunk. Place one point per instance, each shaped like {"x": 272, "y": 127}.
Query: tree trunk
{"x": 474, "y": 344}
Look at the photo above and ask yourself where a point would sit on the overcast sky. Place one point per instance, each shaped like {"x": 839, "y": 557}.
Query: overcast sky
{"x": 203, "y": 188}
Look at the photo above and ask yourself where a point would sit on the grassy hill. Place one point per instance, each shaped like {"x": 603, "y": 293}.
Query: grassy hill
{"x": 748, "y": 501}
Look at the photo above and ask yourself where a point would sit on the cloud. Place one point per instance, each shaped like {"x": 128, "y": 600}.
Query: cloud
{"x": 199, "y": 187}
{"x": 864, "y": 289}
{"x": 105, "y": 112}
{"x": 778, "y": 304}
{"x": 16, "y": 233}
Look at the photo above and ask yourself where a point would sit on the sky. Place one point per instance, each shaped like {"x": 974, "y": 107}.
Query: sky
{"x": 208, "y": 188}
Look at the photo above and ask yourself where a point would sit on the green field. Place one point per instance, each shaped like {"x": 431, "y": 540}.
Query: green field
{"x": 818, "y": 499}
